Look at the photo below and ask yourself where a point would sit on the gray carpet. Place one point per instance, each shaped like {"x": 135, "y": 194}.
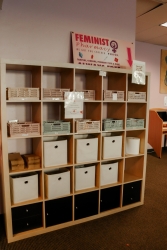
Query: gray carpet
{"x": 144, "y": 227}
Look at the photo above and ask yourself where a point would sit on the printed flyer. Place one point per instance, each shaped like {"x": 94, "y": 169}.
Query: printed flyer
{"x": 100, "y": 51}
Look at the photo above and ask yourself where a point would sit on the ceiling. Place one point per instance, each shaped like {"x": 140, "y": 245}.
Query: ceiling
{"x": 149, "y": 15}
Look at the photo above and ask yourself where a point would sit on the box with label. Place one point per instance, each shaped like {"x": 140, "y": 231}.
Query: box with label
{"x": 55, "y": 153}
{"x": 57, "y": 183}
{"x": 112, "y": 147}
{"x": 24, "y": 187}
{"x": 32, "y": 161}
{"x": 112, "y": 124}
{"x": 109, "y": 173}
{"x": 16, "y": 162}
{"x": 86, "y": 149}
{"x": 113, "y": 95}
{"x": 84, "y": 177}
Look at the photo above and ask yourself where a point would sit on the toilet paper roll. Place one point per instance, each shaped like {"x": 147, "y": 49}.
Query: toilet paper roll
{"x": 132, "y": 145}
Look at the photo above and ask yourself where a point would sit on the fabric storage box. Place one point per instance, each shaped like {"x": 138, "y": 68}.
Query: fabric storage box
{"x": 112, "y": 147}
{"x": 16, "y": 162}
{"x": 84, "y": 177}
{"x": 32, "y": 161}
{"x": 55, "y": 153}
{"x": 57, "y": 183}
{"x": 86, "y": 150}
{"x": 24, "y": 187}
{"x": 109, "y": 173}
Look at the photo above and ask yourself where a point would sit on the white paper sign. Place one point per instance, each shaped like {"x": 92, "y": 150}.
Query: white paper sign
{"x": 138, "y": 72}
{"x": 74, "y": 104}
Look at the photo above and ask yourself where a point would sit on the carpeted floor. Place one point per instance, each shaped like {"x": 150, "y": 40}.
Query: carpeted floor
{"x": 144, "y": 227}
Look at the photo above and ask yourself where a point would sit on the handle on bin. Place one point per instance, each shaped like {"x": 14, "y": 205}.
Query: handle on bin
{"x": 110, "y": 168}
{"x": 56, "y": 146}
{"x": 26, "y": 182}
{"x": 113, "y": 140}
{"x": 86, "y": 172}
{"x": 87, "y": 144}
{"x": 59, "y": 178}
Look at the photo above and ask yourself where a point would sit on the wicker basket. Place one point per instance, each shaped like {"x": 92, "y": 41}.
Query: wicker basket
{"x": 86, "y": 125}
{"x": 136, "y": 96}
{"x": 56, "y": 127}
{"x": 134, "y": 123}
{"x": 112, "y": 124}
{"x": 113, "y": 95}
{"x": 22, "y": 94}
{"x": 54, "y": 94}
{"x": 16, "y": 129}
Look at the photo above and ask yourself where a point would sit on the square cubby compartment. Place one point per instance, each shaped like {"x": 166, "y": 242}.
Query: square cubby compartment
{"x": 86, "y": 80}
{"x": 58, "y": 78}
{"x": 57, "y": 151}
{"x": 138, "y": 89}
{"x": 86, "y": 204}
{"x": 112, "y": 145}
{"x": 24, "y": 154}
{"x": 87, "y": 148}
{"x": 134, "y": 167}
{"x": 57, "y": 183}
{"x": 27, "y": 217}
{"x": 54, "y": 120}
{"x": 58, "y": 211}
{"x": 131, "y": 193}
{"x": 110, "y": 198}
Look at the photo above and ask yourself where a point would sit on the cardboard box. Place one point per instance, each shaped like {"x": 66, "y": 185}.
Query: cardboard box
{"x": 32, "y": 161}
{"x": 16, "y": 162}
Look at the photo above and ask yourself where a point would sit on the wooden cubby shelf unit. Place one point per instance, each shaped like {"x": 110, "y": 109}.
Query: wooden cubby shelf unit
{"x": 64, "y": 174}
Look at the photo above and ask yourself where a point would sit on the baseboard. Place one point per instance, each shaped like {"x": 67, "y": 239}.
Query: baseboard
{"x": 150, "y": 150}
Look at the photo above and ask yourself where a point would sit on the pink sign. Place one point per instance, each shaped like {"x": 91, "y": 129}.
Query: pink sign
{"x": 100, "y": 51}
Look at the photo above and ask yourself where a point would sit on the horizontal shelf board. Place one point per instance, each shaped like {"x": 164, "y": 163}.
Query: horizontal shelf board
{"x": 112, "y": 159}
{"x": 114, "y": 101}
{"x": 111, "y": 185}
{"x": 87, "y": 162}
{"x": 56, "y": 134}
{"x": 113, "y": 130}
{"x": 133, "y": 129}
{"x": 22, "y": 101}
{"x": 136, "y": 101}
{"x": 130, "y": 178}
{"x": 49, "y": 199}
{"x": 40, "y": 199}
{"x": 58, "y": 166}
{"x": 128, "y": 156}
{"x": 23, "y": 137}
{"x": 85, "y": 190}
{"x": 14, "y": 172}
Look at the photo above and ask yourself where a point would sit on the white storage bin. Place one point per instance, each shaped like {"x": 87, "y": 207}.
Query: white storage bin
{"x": 57, "y": 183}
{"x": 112, "y": 147}
{"x": 132, "y": 145}
{"x": 84, "y": 177}
{"x": 24, "y": 187}
{"x": 55, "y": 153}
{"x": 86, "y": 150}
{"x": 109, "y": 173}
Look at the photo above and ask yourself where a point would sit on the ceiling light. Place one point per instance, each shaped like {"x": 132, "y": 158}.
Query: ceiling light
{"x": 163, "y": 24}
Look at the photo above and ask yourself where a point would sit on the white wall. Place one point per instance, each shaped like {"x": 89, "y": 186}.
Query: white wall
{"x": 40, "y": 29}
{"x": 151, "y": 55}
